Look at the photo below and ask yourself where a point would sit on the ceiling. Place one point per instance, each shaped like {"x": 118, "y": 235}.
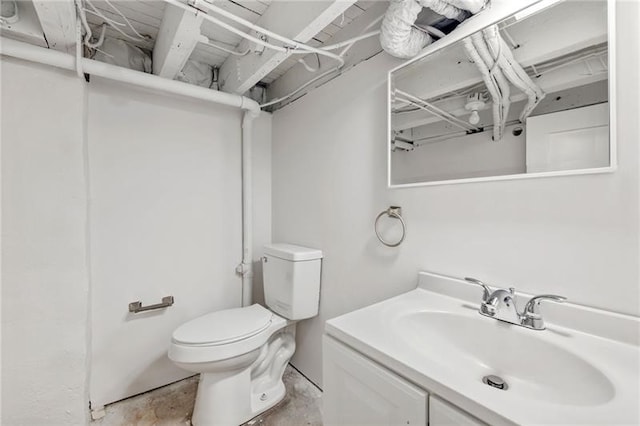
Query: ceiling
{"x": 146, "y": 17}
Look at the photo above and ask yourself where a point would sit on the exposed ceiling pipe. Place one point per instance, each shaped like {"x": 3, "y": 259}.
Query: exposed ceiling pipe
{"x": 197, "y": 6}
{"x": 400, "y": 38}
{"x": 58, "y": 59}
{"x": 513, "y": 70}
{"x": 490, "y": 83}
{"x": 500, "y": 82}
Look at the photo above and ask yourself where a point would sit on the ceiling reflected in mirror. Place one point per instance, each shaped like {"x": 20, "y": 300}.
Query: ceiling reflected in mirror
{"x": 526, "y": 97}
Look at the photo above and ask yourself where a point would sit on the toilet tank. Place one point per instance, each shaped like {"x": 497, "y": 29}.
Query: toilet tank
{"x": 291, "y": 276}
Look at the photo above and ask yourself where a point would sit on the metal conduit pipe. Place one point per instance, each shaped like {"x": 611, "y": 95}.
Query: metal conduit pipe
{"x": 513, "y": 70}
{"x": 57, "y": 59}
{"x": 495, "y": 73}
{"x": 490, "y": 83}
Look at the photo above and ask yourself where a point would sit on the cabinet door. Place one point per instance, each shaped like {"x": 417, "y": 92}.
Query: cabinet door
{"x": 358, "y": 391}
{"x": 442, "y": 413}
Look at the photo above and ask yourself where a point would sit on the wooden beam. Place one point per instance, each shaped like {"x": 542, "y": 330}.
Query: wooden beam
{"x": 177, "y": 37}
{"x": 58, "y": 20}
{"x": 297, "y": 20}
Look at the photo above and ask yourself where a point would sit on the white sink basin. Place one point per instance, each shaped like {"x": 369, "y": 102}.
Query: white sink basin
{"x": 583, "y": 369}
{"x": 475, "y": 346}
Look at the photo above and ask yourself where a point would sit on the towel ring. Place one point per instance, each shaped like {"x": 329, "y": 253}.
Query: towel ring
{"x": 394, "y": 212}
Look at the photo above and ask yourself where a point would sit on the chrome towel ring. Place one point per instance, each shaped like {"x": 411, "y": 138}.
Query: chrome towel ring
{"x": 396, "y": 213}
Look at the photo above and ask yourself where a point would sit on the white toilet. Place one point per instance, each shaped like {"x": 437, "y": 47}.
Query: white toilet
{"x": 241, "y": 353}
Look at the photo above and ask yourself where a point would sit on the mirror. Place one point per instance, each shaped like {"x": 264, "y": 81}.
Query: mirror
{"x": 526, "y": 97}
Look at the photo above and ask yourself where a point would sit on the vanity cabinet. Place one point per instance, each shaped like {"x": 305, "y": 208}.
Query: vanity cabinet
{"x": 358, "y": 391}
{"x": 441, "y": 413}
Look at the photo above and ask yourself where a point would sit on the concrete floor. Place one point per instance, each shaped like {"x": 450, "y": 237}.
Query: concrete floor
{"x": 172, "y": 405}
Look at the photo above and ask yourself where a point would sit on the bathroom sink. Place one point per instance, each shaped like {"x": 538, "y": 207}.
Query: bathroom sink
{"x": 475, "y": 346}
{"x": 584, "y": 368}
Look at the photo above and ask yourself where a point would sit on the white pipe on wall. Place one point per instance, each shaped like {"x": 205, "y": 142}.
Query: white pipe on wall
{"x": 57, "y": 59}
{"x": 246, "y": 268}
{"x": 54, "y": 58}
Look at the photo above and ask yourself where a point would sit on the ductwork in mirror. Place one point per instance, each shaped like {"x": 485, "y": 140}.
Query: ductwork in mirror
{"x": 400, "y": 37}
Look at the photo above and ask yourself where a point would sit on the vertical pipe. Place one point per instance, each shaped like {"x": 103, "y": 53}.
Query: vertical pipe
{"x": 246, "y": 268}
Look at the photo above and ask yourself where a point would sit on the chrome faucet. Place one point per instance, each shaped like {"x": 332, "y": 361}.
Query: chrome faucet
{"x": 501, "y": 305}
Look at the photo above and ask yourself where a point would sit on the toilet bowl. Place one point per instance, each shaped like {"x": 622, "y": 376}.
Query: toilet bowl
{"x": 241, "y": 353}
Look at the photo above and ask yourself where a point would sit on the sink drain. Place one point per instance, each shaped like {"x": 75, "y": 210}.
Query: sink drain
{"x": 495, "y": 382}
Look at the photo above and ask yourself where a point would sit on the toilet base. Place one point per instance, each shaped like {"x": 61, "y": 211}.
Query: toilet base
{"x": 232, "y": 398}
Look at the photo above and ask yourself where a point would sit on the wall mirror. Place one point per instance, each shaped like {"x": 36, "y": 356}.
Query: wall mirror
{"x": 528, "y": 96}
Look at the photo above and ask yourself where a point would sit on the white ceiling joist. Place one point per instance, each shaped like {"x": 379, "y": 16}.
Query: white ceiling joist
{"x": 297, "y": 20}
{"x": 298, "y": 75}
{"x": 58, "y": 20}
{"x": 177, "y": 38}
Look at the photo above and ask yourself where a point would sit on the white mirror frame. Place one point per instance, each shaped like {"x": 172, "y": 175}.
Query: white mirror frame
{"x": 497, "y": 11}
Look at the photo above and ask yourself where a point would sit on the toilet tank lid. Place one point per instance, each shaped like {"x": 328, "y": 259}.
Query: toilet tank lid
{"x": 292, "y": 252}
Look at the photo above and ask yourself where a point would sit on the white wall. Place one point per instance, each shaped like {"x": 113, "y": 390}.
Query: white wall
{"x": 44, "y": 274}
{"x": 165, "y": 220}
{"x": 45, "y": 287}
{"x": 575, "y": 236}
{"x": 461, "y": 157}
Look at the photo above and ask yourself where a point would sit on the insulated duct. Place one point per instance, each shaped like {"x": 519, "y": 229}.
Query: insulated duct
{"x": 400, "y": 38}
{"x": 498, "y": 67}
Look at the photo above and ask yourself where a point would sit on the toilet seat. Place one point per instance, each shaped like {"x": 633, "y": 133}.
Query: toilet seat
{"x": 213, "y": 337}
{"x": 224, "y": 327}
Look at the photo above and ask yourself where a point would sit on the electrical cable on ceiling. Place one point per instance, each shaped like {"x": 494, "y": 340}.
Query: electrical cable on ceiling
{"x": 337, "y": 70}
{"x": 292, "y": 46}
{"x": 94, "y": 46}
{"x": 304, "y": 86}
{"x": 309, "y": 67}
{"x": 350, "y": 41}
{"x": 125, "y": 19}
{"x": 115, "y": 24}
{"x": 97, "y": 44}
{"x": 295, "y": 45}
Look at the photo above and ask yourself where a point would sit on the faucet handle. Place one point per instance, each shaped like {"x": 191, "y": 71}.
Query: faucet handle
{"x": 532, "y": 306}
{"x": 487, "y": 290}
{"x": 531, "y": 315}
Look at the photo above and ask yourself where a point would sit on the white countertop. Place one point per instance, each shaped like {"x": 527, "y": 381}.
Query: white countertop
{"x": 608, "y": 393}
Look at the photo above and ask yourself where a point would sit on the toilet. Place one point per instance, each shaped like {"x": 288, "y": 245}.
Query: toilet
{"x": 241, "y": 353}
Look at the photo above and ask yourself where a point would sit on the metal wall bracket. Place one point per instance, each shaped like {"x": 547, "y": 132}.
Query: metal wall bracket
{"x": 136, "y": 307}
